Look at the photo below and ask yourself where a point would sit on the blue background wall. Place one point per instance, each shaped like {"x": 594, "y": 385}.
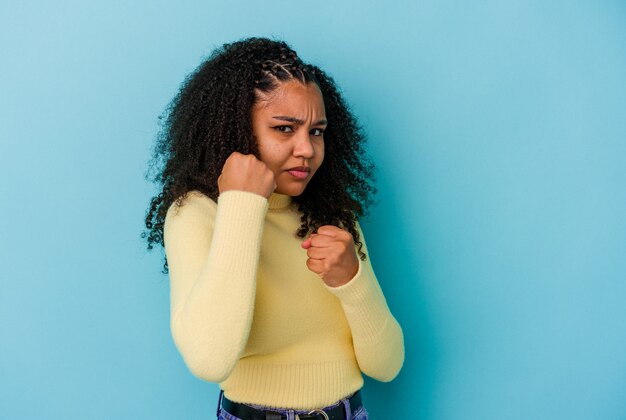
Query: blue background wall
{"x": 498, "y": 129}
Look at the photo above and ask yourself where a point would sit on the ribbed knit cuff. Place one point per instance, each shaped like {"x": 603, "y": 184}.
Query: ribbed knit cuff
{"x": 363, "y": 303}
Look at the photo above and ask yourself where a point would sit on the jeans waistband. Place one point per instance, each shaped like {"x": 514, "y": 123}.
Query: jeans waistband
{"x": 336, "y": 411}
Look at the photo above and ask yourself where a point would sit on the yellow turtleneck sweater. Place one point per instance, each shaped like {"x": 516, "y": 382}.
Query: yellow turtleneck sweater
{"x": 247, "y": 313}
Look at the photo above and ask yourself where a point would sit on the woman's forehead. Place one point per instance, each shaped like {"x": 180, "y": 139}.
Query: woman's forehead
{"x": 290, "y": 95}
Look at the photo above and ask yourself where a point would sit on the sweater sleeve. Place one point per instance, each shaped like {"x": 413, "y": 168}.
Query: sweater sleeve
{"x": 377, "y": 336}
{"x": 212, "y": 250}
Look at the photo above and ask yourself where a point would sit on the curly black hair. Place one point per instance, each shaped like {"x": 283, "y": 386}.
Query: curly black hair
{"x": 211, "y": 117}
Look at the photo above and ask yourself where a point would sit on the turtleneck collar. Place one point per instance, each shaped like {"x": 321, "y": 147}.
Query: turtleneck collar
{"x": 279, "y": 201}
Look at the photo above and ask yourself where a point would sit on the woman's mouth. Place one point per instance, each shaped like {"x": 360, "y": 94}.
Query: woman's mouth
{"x": 299, "y": 174}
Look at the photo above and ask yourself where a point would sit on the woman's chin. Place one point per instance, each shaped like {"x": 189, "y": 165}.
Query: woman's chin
{"x": 293, "y": 189}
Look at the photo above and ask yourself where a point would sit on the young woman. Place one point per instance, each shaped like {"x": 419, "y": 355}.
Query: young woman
{"x": 259, "y": 151}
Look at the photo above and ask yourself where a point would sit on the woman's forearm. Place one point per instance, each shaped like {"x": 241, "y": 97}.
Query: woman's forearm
{"x": 213, "y": 254}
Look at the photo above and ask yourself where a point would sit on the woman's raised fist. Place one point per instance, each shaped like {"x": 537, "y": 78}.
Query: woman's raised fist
{"x": 246, "y": 173}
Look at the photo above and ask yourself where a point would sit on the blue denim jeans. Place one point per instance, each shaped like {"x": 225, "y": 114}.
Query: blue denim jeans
{"x": 351, "y": 414}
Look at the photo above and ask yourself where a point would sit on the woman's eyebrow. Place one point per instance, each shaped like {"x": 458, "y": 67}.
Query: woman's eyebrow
{"x": 298, "y": 121}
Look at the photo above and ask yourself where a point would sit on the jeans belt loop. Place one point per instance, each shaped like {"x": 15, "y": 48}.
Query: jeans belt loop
{"x": 219, "y": 402}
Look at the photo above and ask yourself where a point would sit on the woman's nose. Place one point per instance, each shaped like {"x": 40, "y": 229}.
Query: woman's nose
{"x": 304, "y": 145}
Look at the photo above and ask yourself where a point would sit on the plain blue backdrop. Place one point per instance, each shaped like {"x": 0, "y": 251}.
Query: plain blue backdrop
{"x": 498, "y": 129}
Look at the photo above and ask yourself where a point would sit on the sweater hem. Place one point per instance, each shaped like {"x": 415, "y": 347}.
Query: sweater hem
{"x": 290, "y": 386}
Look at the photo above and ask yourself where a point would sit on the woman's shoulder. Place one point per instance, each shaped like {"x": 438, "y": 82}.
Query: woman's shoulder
{"x": 194, "y": 200}
{"x": 199, "y": 196}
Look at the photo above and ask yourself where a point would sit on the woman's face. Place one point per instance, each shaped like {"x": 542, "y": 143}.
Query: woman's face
{"x": 288, "y": 124}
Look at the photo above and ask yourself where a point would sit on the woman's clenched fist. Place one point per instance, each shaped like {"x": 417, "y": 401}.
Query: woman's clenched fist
{"x": 332, "y": 255}
{"x": 246, "y": 173}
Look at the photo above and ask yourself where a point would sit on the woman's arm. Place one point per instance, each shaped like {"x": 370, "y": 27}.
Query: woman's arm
{"x": 212, "y": 252}
{"x": 377, "y": 336}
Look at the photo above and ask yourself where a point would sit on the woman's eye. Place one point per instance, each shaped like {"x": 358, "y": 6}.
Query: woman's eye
{"x": 319, "y": 131}
{"x": 283, "y": 128}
